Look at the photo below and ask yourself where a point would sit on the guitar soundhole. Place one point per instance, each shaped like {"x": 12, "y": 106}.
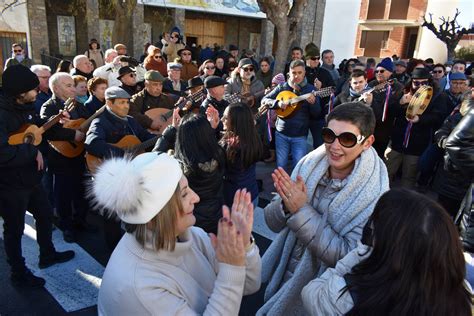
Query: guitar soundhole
{"x": 73, "y": 144}
{"x": 28, "y": 138}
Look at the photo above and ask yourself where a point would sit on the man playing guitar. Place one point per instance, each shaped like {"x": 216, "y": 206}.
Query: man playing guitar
{"x": 292, "y": 131}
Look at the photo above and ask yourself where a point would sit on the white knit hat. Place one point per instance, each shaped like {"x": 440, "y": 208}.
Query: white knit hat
{"x": 136, "y": 190}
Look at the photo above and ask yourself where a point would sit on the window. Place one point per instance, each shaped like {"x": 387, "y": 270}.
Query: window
{"x": 399, "y": 9}
{"x": 376, "y": 9}
{"x": 373, "y": 42}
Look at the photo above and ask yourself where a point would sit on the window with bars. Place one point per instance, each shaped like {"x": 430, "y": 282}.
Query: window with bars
{"x": 6, "y": 41}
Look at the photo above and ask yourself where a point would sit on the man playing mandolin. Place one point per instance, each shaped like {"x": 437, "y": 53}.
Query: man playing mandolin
{"x": 152, "y": 97}
{"x": 292, "y": 131}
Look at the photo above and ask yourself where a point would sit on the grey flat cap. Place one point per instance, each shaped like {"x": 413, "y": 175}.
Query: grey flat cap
{"x": 116, "y": 93}
{"x": 177, "y": 66}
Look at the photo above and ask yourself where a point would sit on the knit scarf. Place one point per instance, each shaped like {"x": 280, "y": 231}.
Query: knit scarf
{"x": 350, "y": 208}
{"x": 151, "y": 64}
{"x": 356, "y": 94}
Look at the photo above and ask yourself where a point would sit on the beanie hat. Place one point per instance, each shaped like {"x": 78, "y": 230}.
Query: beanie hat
{"x": 278, "y": 79}
{"x": 311, "y": 50}
{"x": 150, "y": 178}
{"x": 386, "y": 63}
{"x": 245, "y": 62}
{"x": 175, "y": 30}
{"x": 18, "y": 79}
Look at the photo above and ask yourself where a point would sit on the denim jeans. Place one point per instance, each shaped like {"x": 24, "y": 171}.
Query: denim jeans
{"x": 297, "y": 146}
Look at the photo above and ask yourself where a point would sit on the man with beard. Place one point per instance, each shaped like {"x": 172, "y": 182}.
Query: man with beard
{"x": 410, "y": 137}
{"x": 291, "y": 131}
{"x": 20, "y": 181}
{"x": 18, "y": 57}
{"x": 244, "y": 82}
{"x": 385, "y": 104}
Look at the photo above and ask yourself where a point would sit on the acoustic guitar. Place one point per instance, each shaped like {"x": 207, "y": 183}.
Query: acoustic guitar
{"x": 246, "y": 98}
{"x": 72, "y": 149}
{"x": 381, "y": 87}
{"x": 165, "y": 116}
{"x": 32, "y": 134}
{"x": 294, "y": 101}
{"x": 129, "y": 143}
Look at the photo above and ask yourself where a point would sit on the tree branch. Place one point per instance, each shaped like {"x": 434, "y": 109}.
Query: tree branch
{"x": 12, "y": 4}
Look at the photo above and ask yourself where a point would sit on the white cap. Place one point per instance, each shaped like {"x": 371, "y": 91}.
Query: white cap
{"x": 136, "y": 190}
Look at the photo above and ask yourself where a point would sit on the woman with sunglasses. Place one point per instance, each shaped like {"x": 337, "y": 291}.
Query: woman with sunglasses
{"x": 208, "y": 68}
{"x": 409, "y": 262}
{"x": 409, "y": 143}
{"x": 438, "y": 72}
{"x": 320, "y": 211}
{"x": 156, "y": 61}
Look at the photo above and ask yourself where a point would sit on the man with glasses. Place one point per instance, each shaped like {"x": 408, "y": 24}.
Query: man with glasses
{"x": 44, "y": 93}
{"x": 458, "y": 66}
{"x": 438, "y": 72}
{"x": 384, "y": 103}
{"x": 320, "y": 211}
{"x": 189, "y": 69}
{"x": 246, "y": 83}
{"x": 174, "y": 84}
{"x": 411, "y": 136}
{"x": 18, "y": 57}
{"x": 128, "y": 79}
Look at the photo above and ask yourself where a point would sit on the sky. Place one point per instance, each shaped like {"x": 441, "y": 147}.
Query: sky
{"x": 467, "y": 12}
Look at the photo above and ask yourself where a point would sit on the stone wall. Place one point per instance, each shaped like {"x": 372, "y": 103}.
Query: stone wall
{"x": 161, "y": 20}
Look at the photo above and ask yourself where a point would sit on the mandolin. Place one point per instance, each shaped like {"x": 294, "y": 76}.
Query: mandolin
{"x": 294, "y": 101}
{"x": 381, "y": 87}
{"x": 73, "y": 149}
{"x": 32, "y": 134}
{"x": 129, "y": 143}
{"x": 165, "y": 116}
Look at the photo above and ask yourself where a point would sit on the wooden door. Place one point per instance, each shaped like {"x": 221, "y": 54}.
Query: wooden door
{"x": 205, "y": 31}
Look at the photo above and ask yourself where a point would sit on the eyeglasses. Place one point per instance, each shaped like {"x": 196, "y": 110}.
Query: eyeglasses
{"x": 458, "y": 83}
{"x": 248, "y": 69}
{"x": 438, "y": 71}
{"x": 210, "y": 68}
{"x": 380, "y": 71}
{"x": 17, "y": 50}
{"x": 351, "y": 65}
{"x": 420, "y": 83}
{"x": 346, "y": 139}
{"x": 157, "y": 56}
{"x": 315, "y": 58}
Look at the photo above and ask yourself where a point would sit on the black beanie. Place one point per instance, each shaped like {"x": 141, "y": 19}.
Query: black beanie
{"x": 18, "y": 79}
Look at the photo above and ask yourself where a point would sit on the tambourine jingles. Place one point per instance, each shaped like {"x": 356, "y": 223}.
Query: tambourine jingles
{"x": 419, "y": 102}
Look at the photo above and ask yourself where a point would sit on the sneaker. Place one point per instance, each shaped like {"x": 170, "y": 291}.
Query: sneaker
{"x": 27, "y": 280}
{"x": 69, "y": 236}
{"x": 57, "y": 257}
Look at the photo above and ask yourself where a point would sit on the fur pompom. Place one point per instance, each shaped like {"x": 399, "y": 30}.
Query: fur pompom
{"x": 117, "y": 187}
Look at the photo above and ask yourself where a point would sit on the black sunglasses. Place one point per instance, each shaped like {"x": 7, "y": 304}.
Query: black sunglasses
{"x": 248, "y": 69}
{"x": 420, "y": 83}
{"x": 346, "y": 139}
{"x": 438, "y": 71}
{"x": 380, "y": 70}
{"x": 314, "y": 58}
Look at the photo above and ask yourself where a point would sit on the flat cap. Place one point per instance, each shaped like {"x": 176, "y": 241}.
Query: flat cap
{"x": 214, "y": 81}
{"x": 457, "y": 76}
{"x": 400, "y": 63}
{"x": 176, "y": 66}
{"x": 245, "y": 62}
{"x": 153, "y": 75}
{"x": 116, "y": 93}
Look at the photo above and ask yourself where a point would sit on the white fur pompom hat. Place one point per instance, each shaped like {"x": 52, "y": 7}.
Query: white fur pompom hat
{"x": 136, "y": 190}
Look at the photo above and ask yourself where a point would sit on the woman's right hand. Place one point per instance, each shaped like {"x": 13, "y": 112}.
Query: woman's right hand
{"x": 212, "y": 116}
{"x": 229, "y": 243}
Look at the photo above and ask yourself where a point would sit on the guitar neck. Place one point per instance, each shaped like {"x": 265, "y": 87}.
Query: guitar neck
{"x": 143, "y": 146}
{"x": 324, "y": 92}
{"x": 85, "y": 125}
{"x": 193, "y": 98}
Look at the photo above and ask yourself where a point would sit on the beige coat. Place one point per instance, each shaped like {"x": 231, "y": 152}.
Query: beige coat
{"x": 187, "y": 281}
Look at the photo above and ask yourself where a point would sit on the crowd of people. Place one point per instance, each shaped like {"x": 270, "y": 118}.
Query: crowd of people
{"x": 166, "y": 147}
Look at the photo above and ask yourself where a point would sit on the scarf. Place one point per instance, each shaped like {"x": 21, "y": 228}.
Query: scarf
{"x": 298, "y": 86}
{"x": 81, "y": 99}
{"x": 151, "y": 64}
{"x": 19, "y": 58}
{"x": 355, "y": 94}
{"x": 350, "y": 208}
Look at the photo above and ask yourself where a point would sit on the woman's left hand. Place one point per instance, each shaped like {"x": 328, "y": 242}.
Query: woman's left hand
{"x": 293, "y": 194}
{"x": 242, "y": 214}
{"x": 212, "y": 116}
{"x": 176, "y": 118}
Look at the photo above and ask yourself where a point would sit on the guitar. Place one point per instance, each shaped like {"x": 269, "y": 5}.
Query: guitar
{"x": 294, "y": 101}
{"x": 72, "y": 149}
{"x": 129, "y": 143}
{"x": 378, "y": 88}
{"x": 32, "y": 134}
{"x": 165, "y": 116}
{"x": 246, "y": 98}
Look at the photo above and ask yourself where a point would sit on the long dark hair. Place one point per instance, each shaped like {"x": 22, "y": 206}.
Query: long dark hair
{"x": 241, "y": 136}
{"x": 64, "y": 65}
{"x": 196, "y": 143}
{"x": 416, "y": 266}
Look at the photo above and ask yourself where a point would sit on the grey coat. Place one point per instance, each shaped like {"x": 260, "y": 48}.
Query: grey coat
{"x": 235, "y": 86}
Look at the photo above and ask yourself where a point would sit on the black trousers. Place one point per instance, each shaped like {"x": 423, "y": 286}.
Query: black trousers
{"x": 450, "y": 205}
{"x": 13, "y": 205}
{"x": 69, "y": 196}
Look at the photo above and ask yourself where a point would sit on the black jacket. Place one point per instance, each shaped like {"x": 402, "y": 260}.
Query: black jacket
{"x": 168, "y": 87}
{"x": 108, "y": 129}
{"x": 57, "y": 162}
{"x": 18, "y": 167}
{"x": 324, "y": 76}
{"x": 421, "y": 132}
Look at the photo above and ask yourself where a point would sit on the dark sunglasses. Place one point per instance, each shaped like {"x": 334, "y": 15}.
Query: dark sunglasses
{"x": 186, "y": 54}
{"x": 438, "y": 71}
{"x": 210, "y": 68}
{"x": 157, "y": 56}
{"x": 315, "y": 58}
{"x": 248, "y": 69}
{"x": 346, "y": 139}
{"x": 420, "y": 83}
{"x": 380, "y": 71}
{"x": 17, "y": 51}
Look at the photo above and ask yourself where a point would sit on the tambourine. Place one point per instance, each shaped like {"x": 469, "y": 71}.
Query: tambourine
{"x": 419, "y": 102}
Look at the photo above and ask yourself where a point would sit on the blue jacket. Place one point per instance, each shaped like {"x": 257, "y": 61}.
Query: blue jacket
{"x": 108, "y": 129}
{"x": 41, "y": 98}
{"x": 297, "y": 124}
{"x": 93, "y": 104}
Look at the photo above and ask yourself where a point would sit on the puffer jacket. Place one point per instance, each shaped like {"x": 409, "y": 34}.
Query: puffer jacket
{"x": 18, "y": 167}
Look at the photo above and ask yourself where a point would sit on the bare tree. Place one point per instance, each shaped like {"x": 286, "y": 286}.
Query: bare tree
{"x": 448, "y": 31}
{"x": 7, "y": 4}
{"x": 286, "y": 17}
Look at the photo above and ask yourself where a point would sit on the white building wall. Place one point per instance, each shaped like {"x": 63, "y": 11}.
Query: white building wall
{"x": 340, "y": 28}
{"x": 15, "y": 19}
{"x": 428, "y": 45}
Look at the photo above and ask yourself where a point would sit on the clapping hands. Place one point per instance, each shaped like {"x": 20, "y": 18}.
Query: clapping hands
{"x": 293, "y": 194}
{"x": 212, "y": 116}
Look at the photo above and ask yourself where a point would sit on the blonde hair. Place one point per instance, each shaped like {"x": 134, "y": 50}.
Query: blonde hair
{"x": 162, "y": 226}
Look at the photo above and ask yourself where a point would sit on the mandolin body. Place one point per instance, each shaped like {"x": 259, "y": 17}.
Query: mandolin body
{"x": 287, "y": 96}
